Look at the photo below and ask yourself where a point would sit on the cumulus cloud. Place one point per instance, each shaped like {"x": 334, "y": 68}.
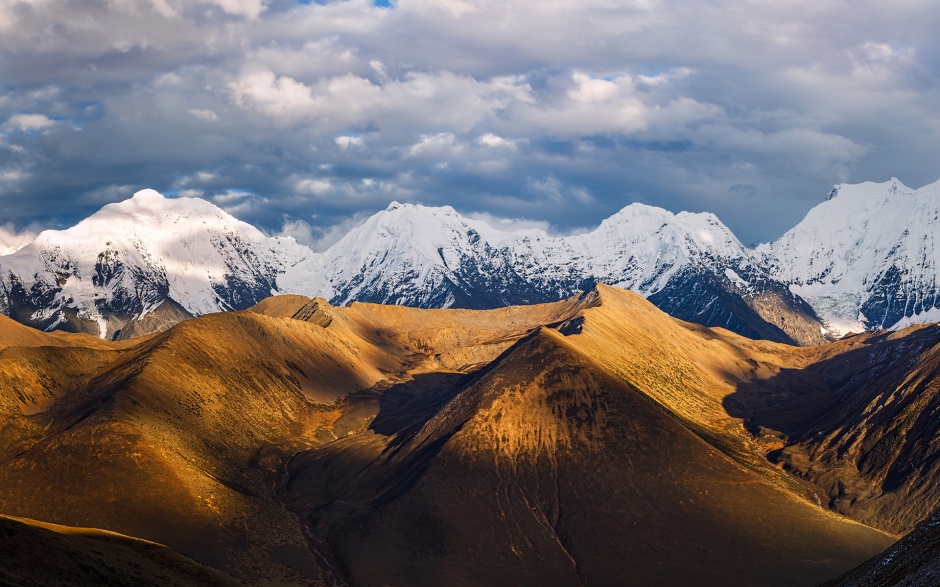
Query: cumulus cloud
{"x": 495, "y": 141}
{"x": 349, "y": 142}
{"x": 320, "y": 238}
{"x": 556, "y": 111}
{"x": 510, "y": 224}
{"x": 29, "y": 122}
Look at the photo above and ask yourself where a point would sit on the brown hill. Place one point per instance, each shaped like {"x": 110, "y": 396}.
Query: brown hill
{"x": 13, "y": 333}
{"x": 155, "y": 441}
{"x": 593, "y": 440}
{"x": 163, "y": 317}
{"x": 578, "y": 459}
{"x": 37, "y": 554}
{"x": 178, "y": 438}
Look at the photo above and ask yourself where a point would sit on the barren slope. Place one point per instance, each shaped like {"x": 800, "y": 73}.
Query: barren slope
{"x": 913, "y": 562}
{"x": 179, "y": 438}
{"x": 160, "y": 441}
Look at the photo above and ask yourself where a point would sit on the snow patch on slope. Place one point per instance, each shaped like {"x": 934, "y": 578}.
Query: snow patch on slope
{"x": 926, "y": 317}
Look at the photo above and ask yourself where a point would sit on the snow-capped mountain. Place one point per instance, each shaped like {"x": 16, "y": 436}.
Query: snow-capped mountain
{"x": 689, "y": 264}
{"x": 419, "y": 256}
{"x": 148, "y": 262}
{"x": 867, "y": 257}
{"x": 131, "y": 258}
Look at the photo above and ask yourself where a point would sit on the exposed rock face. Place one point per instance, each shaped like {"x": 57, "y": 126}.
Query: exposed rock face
{"x": 690, "y": 265}
{"x": 130, "y": 259}
{"x": 865, "y": 258}
{"x": 859, "y": 422}
{"x": 161, "y": 318}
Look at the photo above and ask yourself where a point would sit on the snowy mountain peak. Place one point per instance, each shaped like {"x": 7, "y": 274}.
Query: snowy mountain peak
{"x": 690, "y": 232}
{"x": 125, "y": 260}
{"x": 408, "y": 208}
{"x": 866, "y": 258}
{"x": 147, "y": 196}
{"x": 434, "y": 257}
{"x": 869, "y": 191}
{"x": 6, "y": 249}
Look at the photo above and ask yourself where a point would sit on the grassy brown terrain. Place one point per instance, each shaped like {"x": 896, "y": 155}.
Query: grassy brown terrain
{"x": 179, "y": 438}
{"x": 590, "y": 441}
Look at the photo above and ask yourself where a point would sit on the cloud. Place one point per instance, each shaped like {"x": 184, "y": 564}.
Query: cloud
{"x": 510, "y": 224}
{"x": 555, "y": 191}
{"x": 319, "y": 238}
{"x": 280, "y": 97}
{"x": 348, "y": 142}
{"x": 204, "y": 115}
{"x": 12, "y": 239}
{"x": 238, "y": 202}
{"x": 495, "y": 141}
{"x": 29, "y": 122}
{"x": 328, "y": 110}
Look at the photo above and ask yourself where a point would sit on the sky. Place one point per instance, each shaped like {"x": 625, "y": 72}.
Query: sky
{"x": 304, "y": 118}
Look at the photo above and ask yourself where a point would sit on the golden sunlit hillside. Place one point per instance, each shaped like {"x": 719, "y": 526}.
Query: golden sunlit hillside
{"x": 590, "y": 441}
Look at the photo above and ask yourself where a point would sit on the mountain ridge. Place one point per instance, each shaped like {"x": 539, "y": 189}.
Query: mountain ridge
{"x": 108, "y": 273}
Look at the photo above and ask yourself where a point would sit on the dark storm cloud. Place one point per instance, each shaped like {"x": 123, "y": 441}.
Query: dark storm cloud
{"x": 302, "y": 117}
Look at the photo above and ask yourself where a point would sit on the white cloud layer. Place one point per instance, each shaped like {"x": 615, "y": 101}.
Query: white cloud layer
{"x": 12, "y": 240}
{"x": 561, "y": 112}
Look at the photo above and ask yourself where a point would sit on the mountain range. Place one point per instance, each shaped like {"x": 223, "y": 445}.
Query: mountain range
{"x": 201, "y": 424}
{"x": 142, "y": 265}
{"x": 594, "y": 440}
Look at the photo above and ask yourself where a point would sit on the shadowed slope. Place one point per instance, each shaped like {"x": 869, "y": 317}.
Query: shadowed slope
{"x": 590, "y": 441}
{"x": 860, "y": 422}
{"x": 36, "y": 554}
{"x": 913, "y": 562}
{"x": 178, "y": 437}
{"x": 162, "y": 318}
